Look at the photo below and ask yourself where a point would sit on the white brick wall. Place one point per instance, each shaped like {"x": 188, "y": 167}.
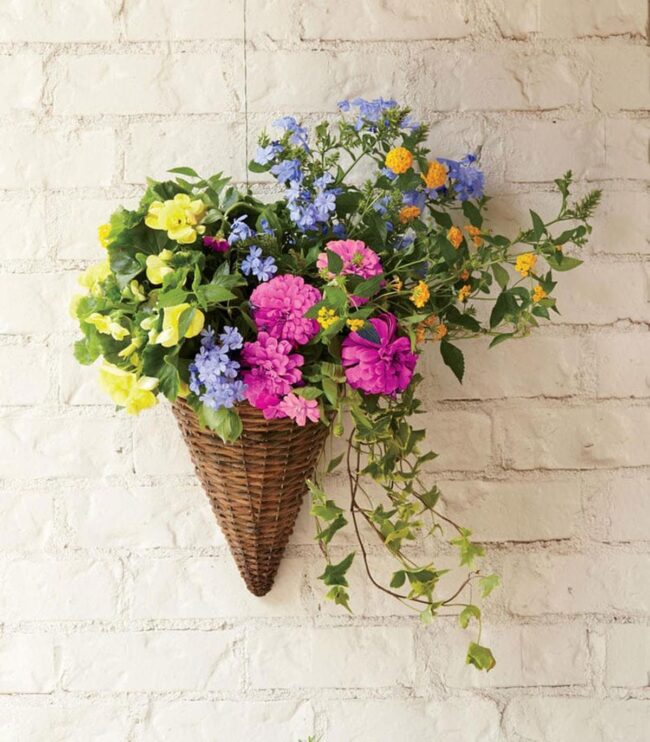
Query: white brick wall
{"x": 123, "y": 617}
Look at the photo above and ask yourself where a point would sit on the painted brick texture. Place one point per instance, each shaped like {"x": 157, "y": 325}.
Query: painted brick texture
{"x": 122, "y": 616}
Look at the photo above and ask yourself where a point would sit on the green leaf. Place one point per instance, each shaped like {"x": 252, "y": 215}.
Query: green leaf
{"x": 172, "y": 297}
{"x": 488, "y": 583}
{"x": 538, "y": 226}
{"x": 481, "y": 657}
{"x": 328, "y": 510}
{"x": 256, "y": 167}
{"x": 184, "y": 171}
{"x": 340, "y": 596}
{"x": 467, "y": 614}
{"x": 368, "y": 287}
{"x": 368, "y": 332}
{"x": 334, "y": 262}
{"x": 468, "y": 550}
{"x": 472, "y": 213}
{"x": 334, "y": 463}
{"x": 327, "y": 534}
{"x": 85, "y": 352}
{"x": 502, "y": 337}
{"x": 209, "y": 295}
{"x": 501, "y": 307}
{"x": 501, "y": 275}
{"x": 453, "y": 357}
{"x": 331, "y": 390}
{"x": 334, "y": 574}
{"x": 561, "y": 262}
{"x": 225, "y": 423}
{"x": 399, "y": 578}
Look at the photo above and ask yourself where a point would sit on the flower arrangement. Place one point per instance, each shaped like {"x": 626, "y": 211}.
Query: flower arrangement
{"x": 318, "y": 305}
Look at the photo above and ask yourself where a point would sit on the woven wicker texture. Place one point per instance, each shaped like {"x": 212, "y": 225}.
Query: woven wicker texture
{"x": 256, "y": 485}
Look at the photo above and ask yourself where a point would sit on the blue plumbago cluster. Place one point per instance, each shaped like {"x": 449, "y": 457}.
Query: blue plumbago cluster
{"x": 213, "y": 373}
{"x": 468, "y": 181}
{"x": 257, "y": 265}
{"x": 239, "y": 230}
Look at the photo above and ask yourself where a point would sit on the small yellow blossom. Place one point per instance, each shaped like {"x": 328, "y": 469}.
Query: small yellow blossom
{"x": 136, "y": 290}
{"x": 170, "y": 334}
{"x": 130, "y": 348}
{"x": 525, "y": 263}
{"x": 326, "y": 317}
{"x": 93, "y": 276}
{"x": 420, "y": 334}
{"x": 420, "y": 295}
{"x": 399, "y": 160}
{"x": 455, "y": 236}
{"x": 397, "y": 284}
{"x": 104, "y": 233}
{"x": 464, "y": 293}
{"x": 179, "y": 217}
{"x": 128, "y": 390}
{"x": 157, "y": 266}
{"x": 441, "y": 331}
{"x": 183, "y": 389}
{"x": 407, "y": 213}
{"x": 435, "y": 176}
{"x": 354, "y": 324}
{"x": 475, "y": 234}
{"x": 430, "y": 321}
{"x": 539, "y": 293}
{"x": 107, "y": 325}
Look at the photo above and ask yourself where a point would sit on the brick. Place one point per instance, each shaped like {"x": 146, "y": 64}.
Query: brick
{"x": 620, "y": 77}
{"x": 379, "y": 20}
{"x": 127, "y": 84}
{"x": 627, "y": 152}
{"x": 37, "y": 447}
{"x": 79, "y": 385}
{"x": 159, "y": 449}
{"x": 350, "y": 657}
{"x": 627, "y": 509}
{"x": 33, "y": 302}
{"x": 574, "y": 437}
{"x": 543, "y": 583}
{"x": 27, "y": 663}
{"x": 37, "y": 589}
{"x": 150, "y": 661}
{"x": 602, "y": 293}
{"x": 628, "y": 656}
{"x": 194, "y": 19}
{"x": 154, "y": 148}
{"x": 386, "y": 720}
{"x": 540, "y": 719}
{"x": 494, "y": 81}
{"x": 545, "y": 366}
{"x": 515, "y": 511}
{"x": 140, "y": 518}
{"x": 50, "y": 20}
{"x": 33, "y": 384}
{"x": 21, "y": 82}
{"x": 26, "y": 520}
{"x": 198, "y": 720}
{"x": 622, "y": 223}
{"x": 462, "y": 439}
{"x": 332, "y": 76}
{"x": 621, "y": 364}
{"x": 527, "y": 656}
{"x": 29, "y": 212}
{"x": 56, "y": 159}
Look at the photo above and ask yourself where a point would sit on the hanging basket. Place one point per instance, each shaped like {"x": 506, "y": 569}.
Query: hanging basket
{"x": 255, "y": 485}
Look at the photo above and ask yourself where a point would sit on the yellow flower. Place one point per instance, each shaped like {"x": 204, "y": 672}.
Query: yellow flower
{"x": 179, "y": 217}
{"x": 475, "y": 234}
{"x": 455, "y": 236}
{"x": 93, "y": 276}
{"x": 183, "y": 389}
{"x": 464, "y": 293}
{"x": 409, "y": 212}
{"x": 354, "y": 324}
{"x": 104, "y": 233}
{"x": 430, "y": 321}
{"x": 525, "y": 263}
{"x": 420, "y": 295}
{"x": 126, "y": 389}
{"x": 130, "y": 348}
{"x": 136, "y": 290}
{"x": 107, "y": 325}
{"x": 420, "y": 334}
{"x": 397, "y": 284}
{"x": 170, "y": 334}
{"x": 539, "y": 293}
{"x": 157, "y": 266}
{"x": 399, "y": 160}
{"x": 441, "y": 331}
{"x": 435, "y": 176}
{"x": 326, "y": 317}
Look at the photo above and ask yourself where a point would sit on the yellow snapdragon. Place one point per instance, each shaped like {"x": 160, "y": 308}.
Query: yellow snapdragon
{"x": 158, "y": 266}
{"x": 170, "y": 334}
{"x": 127, "y": 389}
{"x": 107, "y": 325}
{"x": 179, "y": 217}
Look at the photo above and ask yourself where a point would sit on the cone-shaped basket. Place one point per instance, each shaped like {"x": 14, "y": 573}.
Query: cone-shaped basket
{"x": 256, "y": 485}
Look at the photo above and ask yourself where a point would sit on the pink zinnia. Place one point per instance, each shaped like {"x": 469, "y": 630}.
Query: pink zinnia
{"x": 385, "y": 367}
{"x": 271, "y": 369}
{"x": 300, "y": 409}
{"x": 358, "y": 260}
{"x": 218, "y": 244}
{"x": 279, "y": 306}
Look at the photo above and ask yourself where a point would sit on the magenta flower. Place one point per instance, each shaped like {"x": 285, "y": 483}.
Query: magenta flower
{"x": 279, "y": 306}
{"x": 379, "y": 368}
{"x": 358, "y": 260}
{"x": 300, "y": 409}
{"x": 217, "y": 244}
{"x": 271, "y": 369}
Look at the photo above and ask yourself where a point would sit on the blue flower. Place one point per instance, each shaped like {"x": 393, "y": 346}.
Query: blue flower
{"x": 343, "y": 105}
{"x": 299, "y": 134}
{"x": 339, "y": 231}
{"x": 213, "y": 374}
{"x": 266, "y": 227}
{"x": 324, "y": 203}
{"x": 468, "y": 181}
{"x": 266, "y": 154}
{"x": 324, "y": 180}
{"x": 255, "y": 264}
{"x": 408, "y": 123}
{"x": 224, "y": 394}
{"x": 381, "y": 204}
{"x": 287, "y": 170}
{"x": 414, "y": 198}
{"x": 231, "y": 338}
{"x": 388, "y": 173}
{"x": 239, "y": 230}
{"x": 371, "y": 111}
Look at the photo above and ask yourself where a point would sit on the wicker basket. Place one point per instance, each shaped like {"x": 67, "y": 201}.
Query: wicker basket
{"x": 256, "y": 485}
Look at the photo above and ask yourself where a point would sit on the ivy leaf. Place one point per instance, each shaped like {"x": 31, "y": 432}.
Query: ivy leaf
{"x": 488, "y": 583}
{"x": 453, "y": 357}
{"x": 481, "y": 657}
{"x": 340, "y": 596}
{"x": 399, "y": 578}
{"x": 225, "y": 423}
{"x": 334, "y": 463}
{"x": 327, "y": 534}
{"x": 327, "y": 511}
{"x": 334, "y": 574}
{"x": 468, "y": 550}
{"x": 467, "y": 614}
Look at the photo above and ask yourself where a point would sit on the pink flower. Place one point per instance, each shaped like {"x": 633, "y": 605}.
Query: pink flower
{"x": 384, "y": 367}
{"x": 358, "y": 260}
{"x": 300, "y": 409}
{"x": 271, "y": 369}
{"x": 218, "y": 244}
{"x": 279, "y": 306}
